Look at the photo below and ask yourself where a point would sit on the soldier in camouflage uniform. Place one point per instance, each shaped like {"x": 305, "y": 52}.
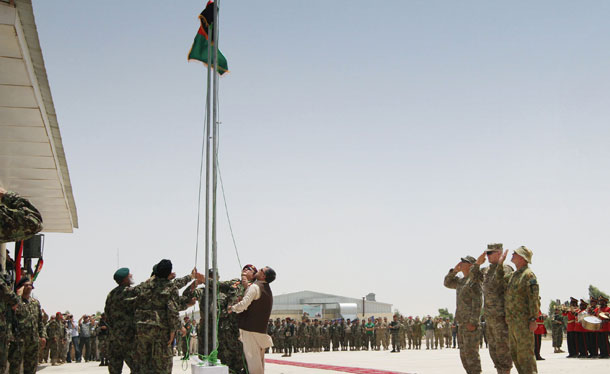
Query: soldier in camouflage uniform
{"x": 28, "y": 331}
{"x": 522, "y": 305}
{"x": 102, "y": 331}
{"x": 19, "y": 219}
{"x": 157, "y": 319}
{"x": 469, "y": 300}
{"x": 347, "y": 336}
{"x": 417, "y": 332}
{"x": 300, "y": 339}
{"x": 334, "y": 335}
{"x": 119, "y": 312}
{"x": 289, "y": 334}
{"x": 280, "y": 336}
{"x": 557, "y": 330}
{"x": 378, "y": 334}
{"x": 447, "y": 332}
{"x": 493, "y": 310}
{"x": 326, "y": 336}
{"x": 394, "y": 328}
{"x": 438, "y": 333}
{"x": 356, "y": 342}
{"x": 55, "y": 338}
{"x": 385, "y": 339}
{"x": 230, "y": 349}
{"x": 408, "y": 326}
{"x": 43, "y": 350}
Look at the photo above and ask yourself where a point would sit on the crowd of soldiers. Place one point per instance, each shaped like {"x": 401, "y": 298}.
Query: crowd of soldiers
{"x": 367, "y": 334}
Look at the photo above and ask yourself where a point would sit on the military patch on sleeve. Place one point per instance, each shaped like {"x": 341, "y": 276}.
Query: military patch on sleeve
{"x": 533, "y": 282}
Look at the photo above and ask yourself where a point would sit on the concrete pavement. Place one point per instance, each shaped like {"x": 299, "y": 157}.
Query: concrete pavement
{"x": 446, "y": 361}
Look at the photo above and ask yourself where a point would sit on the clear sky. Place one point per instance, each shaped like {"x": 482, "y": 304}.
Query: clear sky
{"x": 365, "y": 145}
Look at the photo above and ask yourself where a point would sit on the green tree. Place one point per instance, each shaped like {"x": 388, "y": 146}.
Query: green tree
{"x": 595, "y": 292}
{"x": 444, "y": 313}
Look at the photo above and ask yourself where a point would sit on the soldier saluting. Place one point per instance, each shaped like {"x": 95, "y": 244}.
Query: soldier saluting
{"x": 493, "y": 310}
{"x": 522, "y": 305}
{"x": 468, "y": 311}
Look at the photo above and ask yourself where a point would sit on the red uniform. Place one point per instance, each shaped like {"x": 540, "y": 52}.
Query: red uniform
{"x": 540, "y": 328}
{"x": 571, "y": 320}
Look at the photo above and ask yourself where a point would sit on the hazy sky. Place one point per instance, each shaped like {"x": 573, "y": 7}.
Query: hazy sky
{"x": 365, "y": 146}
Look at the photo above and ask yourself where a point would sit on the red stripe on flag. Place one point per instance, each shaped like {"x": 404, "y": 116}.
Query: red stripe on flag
{"x": 18, "y": 263}
{"x": 345, "y": 369}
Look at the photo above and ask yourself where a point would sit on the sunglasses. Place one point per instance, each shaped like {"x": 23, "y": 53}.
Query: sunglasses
{"x": 489, "y": 253}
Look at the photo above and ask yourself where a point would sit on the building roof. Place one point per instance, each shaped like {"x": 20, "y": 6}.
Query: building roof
{"x": 312, "y": 297}
{"x": 32, "y": 158}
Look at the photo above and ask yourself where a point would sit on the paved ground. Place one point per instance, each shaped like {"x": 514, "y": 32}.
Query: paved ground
{"x": 446, "y": 361}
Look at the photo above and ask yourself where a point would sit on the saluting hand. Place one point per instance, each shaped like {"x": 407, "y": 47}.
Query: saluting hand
{"x": 503, "y": 257}
{"x": 458, "y": 267}
{"x": 481, "y": 259}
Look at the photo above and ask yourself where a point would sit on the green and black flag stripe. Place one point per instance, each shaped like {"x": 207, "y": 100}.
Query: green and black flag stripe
{"x": 199, "y": 50}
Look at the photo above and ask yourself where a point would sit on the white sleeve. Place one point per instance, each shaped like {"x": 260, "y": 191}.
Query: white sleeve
{"x": 253, "y": 293}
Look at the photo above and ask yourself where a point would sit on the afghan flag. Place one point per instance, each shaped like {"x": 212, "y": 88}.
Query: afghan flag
{"x": 38, "y": 268}
{"x": 199, "y": 50}
{"x": 18, "y": 262}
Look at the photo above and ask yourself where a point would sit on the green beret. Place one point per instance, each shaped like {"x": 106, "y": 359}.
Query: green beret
{"x": 121, "y": 274}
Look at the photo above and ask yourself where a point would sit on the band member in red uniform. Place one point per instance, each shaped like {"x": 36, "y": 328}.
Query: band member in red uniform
{"x": 592, "y": 335}
{"x": 603, "y": 313}
{"x": 540, "y": 330}
{"x": 580, "y": 331}
{"x": 572, "y": 314}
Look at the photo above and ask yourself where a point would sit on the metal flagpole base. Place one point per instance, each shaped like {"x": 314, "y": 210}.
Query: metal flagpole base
{"x": 196, "y": 369}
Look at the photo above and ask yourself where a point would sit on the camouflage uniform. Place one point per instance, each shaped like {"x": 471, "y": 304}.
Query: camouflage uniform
{"x": 301, "y": 336}
{"x": 495, "y": 319}
{"x": 522, "y": 305}
{"x": 119, "y": 311}
{"x": 326, "y": 336}
{"x": 447, "y": 333}
{"x": 408, "y": 326}
{"x": 348, "y": 340}
{"x": 156, "y": 316}
{"x": 279, "y": 338}
{"x": 55, "y": 339}
{"x": 7, "y": 299}
{"x": 19, "y": 219}
{"x": 557, "y": 330}
{"x": 335, "y": 335}
{"x": 102, "y": 337}
{"x": 438, "y": 334}
{"x": 469, "y": 300}
{"x": 417, "y": 333}
{"x": 28, "y": 328}
{"x": 355, "y": 342}
{"x": 230, "y": 349}
{"x": 394, "y": 328}
{"x": 43, "y": 351}
{"x": 385, "y": 339}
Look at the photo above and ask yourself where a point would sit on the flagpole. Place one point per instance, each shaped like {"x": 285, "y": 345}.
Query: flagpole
{"x": 215, "y": 174}
{"x": 207, "y": 209}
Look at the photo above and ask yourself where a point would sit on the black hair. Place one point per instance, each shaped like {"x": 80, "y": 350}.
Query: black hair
{"x": 269, "y": 275}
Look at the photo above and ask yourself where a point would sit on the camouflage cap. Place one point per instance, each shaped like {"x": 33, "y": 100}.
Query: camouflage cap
{"x": 494, "y": 247}
{"x": 469, "y": 259}
{"x": 525, "y": 253}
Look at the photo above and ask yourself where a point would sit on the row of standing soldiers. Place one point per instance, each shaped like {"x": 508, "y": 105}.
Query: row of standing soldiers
{"x": 343, "y": 335}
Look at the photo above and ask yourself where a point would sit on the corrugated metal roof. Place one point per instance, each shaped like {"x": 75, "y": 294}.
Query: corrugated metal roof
{"x": 32, "y": 158}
